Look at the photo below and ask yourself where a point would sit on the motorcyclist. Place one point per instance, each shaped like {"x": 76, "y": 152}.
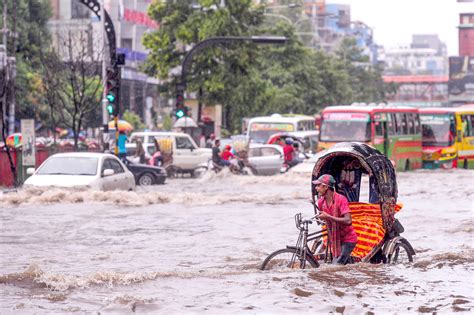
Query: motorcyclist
{"x": 216, "y": 155}
{"x": 289, "y": 153}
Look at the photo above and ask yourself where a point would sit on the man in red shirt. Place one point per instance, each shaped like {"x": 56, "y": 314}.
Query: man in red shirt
{"x": 288, "y": 151}
{"x": 335, "y": 211}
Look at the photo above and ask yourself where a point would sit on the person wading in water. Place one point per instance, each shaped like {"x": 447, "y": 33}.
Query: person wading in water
{"x": 335, "y": 211}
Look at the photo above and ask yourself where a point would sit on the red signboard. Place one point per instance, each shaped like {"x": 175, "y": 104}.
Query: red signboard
{"x": 139, "y": 18}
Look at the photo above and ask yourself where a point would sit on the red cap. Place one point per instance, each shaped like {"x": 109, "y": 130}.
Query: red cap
{"x": 325, "y": 179}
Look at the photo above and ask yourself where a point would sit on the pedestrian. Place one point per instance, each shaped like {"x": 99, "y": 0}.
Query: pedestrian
{"x": 122, "y": 150}
{"x": 210, "y": 140}
{"x": 139, "y": 156}
{"x": 335, "y": 211}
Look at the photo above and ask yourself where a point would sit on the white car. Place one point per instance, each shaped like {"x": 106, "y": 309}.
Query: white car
{"x": 99, "y": 171}
{"x": 267, "y": 159}
{"x": 187, "y": 156}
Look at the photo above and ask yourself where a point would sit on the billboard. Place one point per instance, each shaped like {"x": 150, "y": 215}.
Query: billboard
{"x": 461, "y": 79}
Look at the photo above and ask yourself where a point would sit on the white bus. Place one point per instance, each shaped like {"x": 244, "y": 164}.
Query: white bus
{"x": 259, "y": 129}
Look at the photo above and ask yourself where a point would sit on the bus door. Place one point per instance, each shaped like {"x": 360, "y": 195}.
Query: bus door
{"x": 466, "y": 138}
{"x": 381, "y": 132}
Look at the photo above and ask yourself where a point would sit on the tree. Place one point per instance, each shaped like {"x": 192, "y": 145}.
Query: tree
{"x": 71, "y": 82}
{"x": 133, "y": 119}
{"x": 28, "y": 19}
{"x": 249, "y": 79}
{"x": 365, "y": 79}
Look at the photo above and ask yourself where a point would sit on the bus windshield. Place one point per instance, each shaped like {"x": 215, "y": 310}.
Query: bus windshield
{"x": 261, "y": 132}
{"x": 437, "y": 129}
{"x": 338, "y": 127}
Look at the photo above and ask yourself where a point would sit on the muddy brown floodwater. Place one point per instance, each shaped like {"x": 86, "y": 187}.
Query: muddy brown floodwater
{"x": 195, "y": 245}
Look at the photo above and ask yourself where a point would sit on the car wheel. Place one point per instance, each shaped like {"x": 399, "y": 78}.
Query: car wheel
{"x": 146, "y": 179}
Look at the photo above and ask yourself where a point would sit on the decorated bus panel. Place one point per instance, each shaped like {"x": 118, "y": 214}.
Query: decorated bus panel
{"x": 394, "y": 131}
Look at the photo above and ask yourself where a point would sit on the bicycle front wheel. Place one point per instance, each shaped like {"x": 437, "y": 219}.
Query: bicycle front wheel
{"x": 287, "y": 258}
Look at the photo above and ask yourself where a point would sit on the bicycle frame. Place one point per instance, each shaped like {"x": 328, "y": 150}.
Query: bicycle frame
{"x": 302, "y": 249}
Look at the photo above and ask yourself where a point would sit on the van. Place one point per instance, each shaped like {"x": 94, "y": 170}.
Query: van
{"x": 186, "y": 154}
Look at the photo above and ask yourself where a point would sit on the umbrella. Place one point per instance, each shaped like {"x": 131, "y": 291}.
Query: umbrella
{"x": 184, "y": 122}
{"x": 14, "y": 139}
{"x": 122, "y": 125}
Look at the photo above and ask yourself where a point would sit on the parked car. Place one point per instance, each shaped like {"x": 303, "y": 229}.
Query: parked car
{"x": 146, "y": 175}
{"x": 100, "y": 171}
{"x": 186, "y": 154}
{"x": 267, "y": 159}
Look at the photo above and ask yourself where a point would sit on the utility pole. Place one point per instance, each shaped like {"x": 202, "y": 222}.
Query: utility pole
{"x": 4, "y": 67}
{"x": 12, "y": 75}
{"x": 105, "y": 115}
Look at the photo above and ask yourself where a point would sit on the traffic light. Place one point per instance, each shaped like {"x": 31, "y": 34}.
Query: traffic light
{"x": 112, "y": 90}
{"x": 181, "y": 110}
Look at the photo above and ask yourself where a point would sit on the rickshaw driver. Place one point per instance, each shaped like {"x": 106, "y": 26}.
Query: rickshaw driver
{"x": 335, "y": 211}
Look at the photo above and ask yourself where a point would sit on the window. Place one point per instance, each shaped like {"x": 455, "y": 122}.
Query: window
{"x": 269, "y": 152}
{"x": 112, "y": 164}
{"x": 378, "y": 128}
{"x": 79, "y": 10}
{"x": 255, "y": 152}
{"x": 184, "y": 143}
{"x": 467, "y": 125}
{"x": 404, "y": 124}
{"x": 411, "y": 123}
{"x": 417, "y": 124}
{"x": 391, "y": 128}
{"x": 306, "y": 125}
{"x": 398, "y": 123}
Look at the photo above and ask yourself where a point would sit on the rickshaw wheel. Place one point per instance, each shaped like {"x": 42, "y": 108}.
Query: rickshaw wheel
{"x": 400, "y": 254}
{"x": 281, "y": 259}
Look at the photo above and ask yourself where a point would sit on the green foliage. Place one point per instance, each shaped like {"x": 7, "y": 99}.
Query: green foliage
{"x": 31, "y": 26}
{"x": 250, "y": 79}
{"x": 167, "y": 123}
{"x": 134, "y": 120}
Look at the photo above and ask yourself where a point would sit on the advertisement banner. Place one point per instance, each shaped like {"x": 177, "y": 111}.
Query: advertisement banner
{"x": 461, "y": 79}
{"x": 29, "y": 140}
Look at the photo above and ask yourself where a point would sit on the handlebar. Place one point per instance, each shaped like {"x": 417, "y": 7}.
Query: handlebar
{"x": 299, "y": 222}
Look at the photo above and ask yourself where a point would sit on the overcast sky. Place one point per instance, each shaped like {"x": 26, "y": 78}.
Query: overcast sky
{"x": 394, "y": 21}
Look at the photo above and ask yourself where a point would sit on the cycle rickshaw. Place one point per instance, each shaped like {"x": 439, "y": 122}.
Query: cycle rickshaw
{"x": 379, "y": 239}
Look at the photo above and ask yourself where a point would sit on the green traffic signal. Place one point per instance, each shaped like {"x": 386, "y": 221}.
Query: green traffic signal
{"x": 180, "y": 113}
{"x": 110, "y": 109}
{"x": 110, "y": 97}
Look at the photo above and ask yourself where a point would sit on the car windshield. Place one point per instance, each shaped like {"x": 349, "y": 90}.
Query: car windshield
{"x": 337, "y": 129}
{"x": 69, "y": 166}
{"x": 437, "y": 130}
{"x": 260, "y": 132}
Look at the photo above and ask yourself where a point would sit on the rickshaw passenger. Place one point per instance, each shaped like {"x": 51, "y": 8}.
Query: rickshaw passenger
{"x": 335, "y": 211}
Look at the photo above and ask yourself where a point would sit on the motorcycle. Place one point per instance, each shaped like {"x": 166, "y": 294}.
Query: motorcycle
{"x": 241, "y": 166}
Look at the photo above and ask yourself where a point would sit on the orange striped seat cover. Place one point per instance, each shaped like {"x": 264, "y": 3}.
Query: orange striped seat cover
{"x": 367, "y": 222}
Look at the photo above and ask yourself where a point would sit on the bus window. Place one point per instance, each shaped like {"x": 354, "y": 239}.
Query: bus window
{"x": 467, "y": 125}
{"x": 404, "y": 124}
{"x": 411, "y": 123}
{"x": 306, "y": 125}
{"x": 417, "y": 124}
{"x": 337, "y": 127}
{"x": 391, "y": 124}
{"x": 378, "y": 128}
{"x": 398, "y": 124}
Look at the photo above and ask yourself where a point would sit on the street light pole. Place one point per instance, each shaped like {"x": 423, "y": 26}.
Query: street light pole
{"x": 105, "y": 116}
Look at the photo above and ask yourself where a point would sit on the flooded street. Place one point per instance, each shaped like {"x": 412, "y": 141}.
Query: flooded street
{"x": 195, "y": 245}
